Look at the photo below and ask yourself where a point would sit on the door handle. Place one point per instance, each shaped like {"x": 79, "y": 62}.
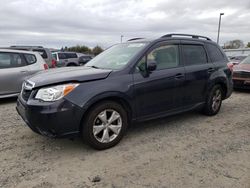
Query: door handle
{"x": 23, "y": 71}
{"x": 179, "y": 76}
{"x": 210, "y": 70}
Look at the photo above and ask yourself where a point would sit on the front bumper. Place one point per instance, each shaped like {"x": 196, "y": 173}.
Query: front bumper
{"x": 57, "y": 119}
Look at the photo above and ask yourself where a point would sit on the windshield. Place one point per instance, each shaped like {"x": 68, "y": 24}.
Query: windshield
{"x": 246, "y": 61}
{"x": 117, "y": 56}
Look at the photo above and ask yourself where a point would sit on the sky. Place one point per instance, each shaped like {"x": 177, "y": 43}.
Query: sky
{"x": 57, "y": 23}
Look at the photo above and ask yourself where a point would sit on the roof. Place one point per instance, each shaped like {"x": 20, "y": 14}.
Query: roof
{"x": 17, "y": 51}
{"x": 174, "y": 36}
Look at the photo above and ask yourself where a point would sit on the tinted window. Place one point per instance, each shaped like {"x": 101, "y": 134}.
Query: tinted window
{"x": 10, "y": 60}
{"x": 214, "y": 53}
{"x": 42, "y": 53}
{"x": 194, "y": 54}
{"x": 62, "y": 56}
{"x": 165, "y": 56}
{"x": 70, "y": 55}
{"x": 30, "y": 58}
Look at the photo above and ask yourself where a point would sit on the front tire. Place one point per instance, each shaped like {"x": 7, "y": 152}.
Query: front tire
{"x": 213, "y": 101}
{"x": 105, "y": 125}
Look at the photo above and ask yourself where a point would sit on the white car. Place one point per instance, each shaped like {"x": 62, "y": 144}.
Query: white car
{"x": 15, "y": 66}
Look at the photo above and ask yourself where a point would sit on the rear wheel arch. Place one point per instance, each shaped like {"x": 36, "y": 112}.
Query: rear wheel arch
{"x": 224, "y": 89}
{"x": 221, "y": 83}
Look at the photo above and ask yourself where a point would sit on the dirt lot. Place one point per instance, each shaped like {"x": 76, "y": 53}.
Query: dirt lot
{"x": 188, "y": 150}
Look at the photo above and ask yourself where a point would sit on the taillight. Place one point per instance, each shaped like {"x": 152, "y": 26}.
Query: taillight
{"x": 230, "y": 66}
{"x": 45, "y": 66}
{"x": 53, "y": 63}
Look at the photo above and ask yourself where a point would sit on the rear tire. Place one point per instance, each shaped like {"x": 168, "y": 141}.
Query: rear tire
{"x": 105, "y": 125}
{"x": 213, "y": 101}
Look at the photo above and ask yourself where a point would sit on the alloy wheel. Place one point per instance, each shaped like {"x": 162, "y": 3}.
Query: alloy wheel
{"x": 107, "y": 125}
{"x": 216, "y": 100}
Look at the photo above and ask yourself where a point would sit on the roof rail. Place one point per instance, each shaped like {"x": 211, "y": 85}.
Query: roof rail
{"x": 134, "y": 39}
{"x": 20, "y": 46}
{"x": 187, "y": 35}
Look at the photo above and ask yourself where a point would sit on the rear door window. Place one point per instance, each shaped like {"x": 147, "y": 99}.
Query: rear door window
{"x": 62, "y": 56}
{"x": 194, "y": 54}
{"x": 70, "y": 55}
{"x": 214, "y": 53}
{"x": 42, "y": 53}
{"x": 10, "y": 60}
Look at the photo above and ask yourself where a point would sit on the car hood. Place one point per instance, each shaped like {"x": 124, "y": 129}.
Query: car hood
{"x": 67, "y": 74}
{"x": 242, "y": 67}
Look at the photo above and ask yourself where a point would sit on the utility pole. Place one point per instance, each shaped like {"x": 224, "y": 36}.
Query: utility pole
{"x": 121, "y": 38}
{"x": 218, "y": 36}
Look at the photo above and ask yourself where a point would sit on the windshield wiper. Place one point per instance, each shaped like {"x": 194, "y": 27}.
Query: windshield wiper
{"x": 93, "y": 66}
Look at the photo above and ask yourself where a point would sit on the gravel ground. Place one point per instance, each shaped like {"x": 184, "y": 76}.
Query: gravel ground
{"x": 187, "y": 150}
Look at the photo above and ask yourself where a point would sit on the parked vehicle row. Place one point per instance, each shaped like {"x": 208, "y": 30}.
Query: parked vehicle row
{"x": 44, "y": 52}
{"x": 241, "y": 74}
{"x": 58, "y": 58}
{"x": 240, "y": 65}
{"x": 15, "y": 67}
{"x": 20, "y": 62}
{"x": 133, "y": 81}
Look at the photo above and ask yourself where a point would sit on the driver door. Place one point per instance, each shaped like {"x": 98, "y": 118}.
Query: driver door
{"x": 161, "y": 90}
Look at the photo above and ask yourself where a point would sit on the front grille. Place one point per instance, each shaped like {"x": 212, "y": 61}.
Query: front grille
{"x": 241, "y": 74}
{"x": 26, "y": 94}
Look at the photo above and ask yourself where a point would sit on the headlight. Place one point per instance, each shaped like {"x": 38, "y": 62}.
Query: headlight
{"x": 55, "y": 93}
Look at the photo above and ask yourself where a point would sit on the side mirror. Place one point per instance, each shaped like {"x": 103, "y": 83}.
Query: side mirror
{"x": 151, "y": 65}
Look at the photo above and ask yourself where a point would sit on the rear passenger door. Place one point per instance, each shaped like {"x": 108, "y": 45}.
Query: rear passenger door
{"x": 72, "y": 58}
{"x": 13, "y": 71}
{"x": 198, "y": 70}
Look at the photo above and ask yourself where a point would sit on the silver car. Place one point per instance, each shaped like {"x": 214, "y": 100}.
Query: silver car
{"x": 44, "y": 52}
{"x": 15, "y": 66}
{"x": 66, "y": 59}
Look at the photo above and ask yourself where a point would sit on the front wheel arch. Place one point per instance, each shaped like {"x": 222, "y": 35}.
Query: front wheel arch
{"x": 87, "y": 123}
{"x": 116, "y": 99}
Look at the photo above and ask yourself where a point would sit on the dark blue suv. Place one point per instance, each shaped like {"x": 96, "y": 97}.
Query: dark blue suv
{"x": 133, "y": 81}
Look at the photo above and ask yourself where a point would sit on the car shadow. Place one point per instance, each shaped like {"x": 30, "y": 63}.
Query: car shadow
{"x": 242, "y": 90}
{"x": 8, "y": 100}
{"x": 134, "y": 131}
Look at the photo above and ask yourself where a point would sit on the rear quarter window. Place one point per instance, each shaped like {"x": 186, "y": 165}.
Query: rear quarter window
{"x": 214, "y": 53}
{"x": 30, "y": 58}
{"x": 194, "y": 54}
